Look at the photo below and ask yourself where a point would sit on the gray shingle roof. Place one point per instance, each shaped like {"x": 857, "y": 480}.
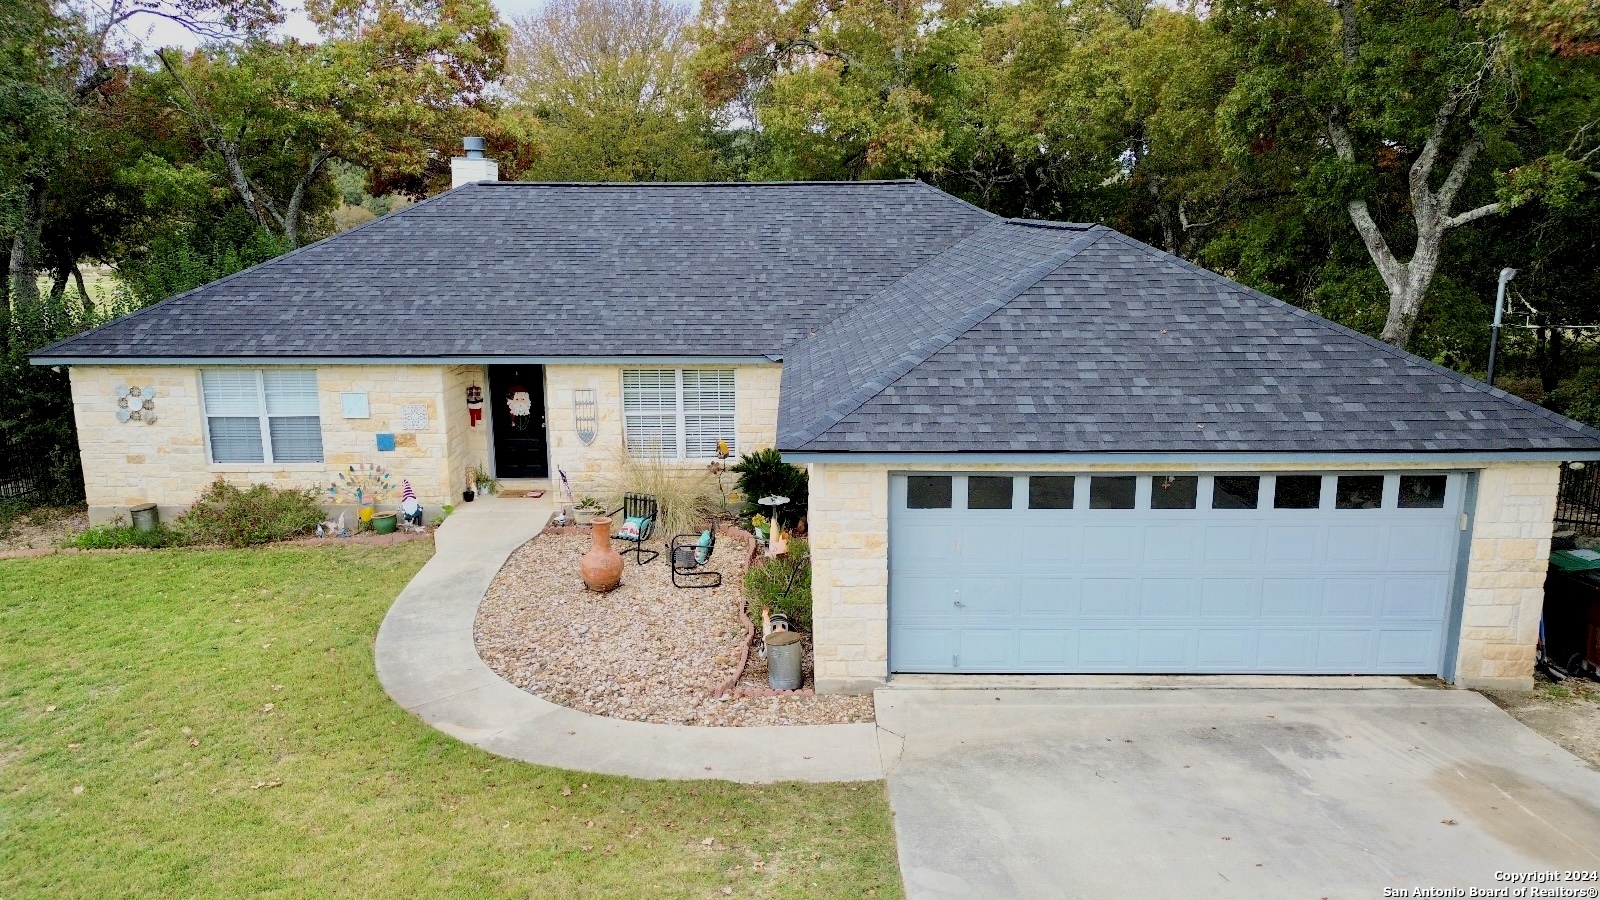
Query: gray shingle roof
{"x": 516, "y": 269}
{"x": 1114, "y": 346}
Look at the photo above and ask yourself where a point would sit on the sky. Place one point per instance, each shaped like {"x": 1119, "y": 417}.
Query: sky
{"x": 154, "y": 32}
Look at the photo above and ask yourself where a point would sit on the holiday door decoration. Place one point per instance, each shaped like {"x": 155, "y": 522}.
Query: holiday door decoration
{"x": 136, "y": 404}
{"x": 520, "y": 404}
{"x": 474, "y": 405}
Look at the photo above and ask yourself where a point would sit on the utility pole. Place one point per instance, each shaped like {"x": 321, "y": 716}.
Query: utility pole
{"x": 1499, "y": 309}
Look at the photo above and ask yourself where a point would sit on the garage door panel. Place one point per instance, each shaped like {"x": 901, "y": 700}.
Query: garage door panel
{"x": 1168, "y": 598}
{"x": 1404, "y": 649}
{"x": 1041, "y": 596}
{"x": 990, "y": 546}
{"x": 1051, "y": 545}
{"x": 1106, "y": 648}
{"x": 1109, "y": 598}
{"x": 1225, "y": 649}
{"x": 1048, "y": 648}
{"x": 921, "y": 596}
{"x": 986, "y": 648}
{"x": 1230, "y": 598}
{"x": 920, "y": 544}
{"x": 1233, "y": 544}
{"x": 1172, "y": 545}
{"x": 1354, "y": 545}
{"x": 1420, "y": 546}
{"x": 987, "y": 597}
{"x": 1110, "y": 545}
{"x": 1415, "y": 597}
{"x": 1166, "y": 649}
{"x": 1292, "y": 545}
{"x": 1346, "y": 649}
{"x": 1080, "y": 589}
{"x": 1350, "y": 598}
{"x": 1286, "y": 649}
{"x": 1293, "y": 598}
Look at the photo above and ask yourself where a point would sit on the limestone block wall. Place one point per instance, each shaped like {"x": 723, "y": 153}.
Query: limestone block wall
{"x": 466, "y": 445}
{"x": 590, "y": 466}
{"x": 1503, "y": 599}
{"x": 1505, "y": 575}
{"x": 128, "y": 463}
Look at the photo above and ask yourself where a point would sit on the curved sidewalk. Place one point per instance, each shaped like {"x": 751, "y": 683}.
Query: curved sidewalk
{"x": 428, "y": 663}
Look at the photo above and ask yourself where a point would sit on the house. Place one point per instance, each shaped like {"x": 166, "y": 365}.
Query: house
{"x": 1034, "y": 447}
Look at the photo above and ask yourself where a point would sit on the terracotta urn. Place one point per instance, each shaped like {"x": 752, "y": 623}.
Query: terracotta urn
{"x": 601, "y": 567}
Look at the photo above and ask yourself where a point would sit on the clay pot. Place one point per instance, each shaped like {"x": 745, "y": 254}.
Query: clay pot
{"x": 601, "y": 567}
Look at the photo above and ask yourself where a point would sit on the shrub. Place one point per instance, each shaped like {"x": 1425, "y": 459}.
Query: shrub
{"x": 685, "y": 496}
{"x": 767, "y": 579}
{"x": 118, "y": 536}
{"x": 226, "y": 514}
{"x": 763, "y": 473}
{"x": 1578, "y": 397}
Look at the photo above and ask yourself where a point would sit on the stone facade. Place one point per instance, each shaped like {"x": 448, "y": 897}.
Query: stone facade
{"x": 165, "y": 462}
{"x": 1509, "y": 555}
{"x": 1505, "y": 576}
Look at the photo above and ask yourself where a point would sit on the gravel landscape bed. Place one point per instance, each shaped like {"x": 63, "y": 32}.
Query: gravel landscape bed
{"x": 647, "y": 651}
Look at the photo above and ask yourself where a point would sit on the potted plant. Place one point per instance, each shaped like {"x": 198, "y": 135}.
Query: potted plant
{"x": 470, "y": 492}
{"x": 585, "y": 510}
{"x": 384, "y": 522}
{"x": 481, "y": 479}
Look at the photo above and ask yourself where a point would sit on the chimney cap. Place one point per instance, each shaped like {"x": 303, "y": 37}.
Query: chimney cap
{"x": 474, "y": 147}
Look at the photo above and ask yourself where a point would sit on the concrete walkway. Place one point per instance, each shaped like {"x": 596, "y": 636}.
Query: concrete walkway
{"x": 427, "y": 662}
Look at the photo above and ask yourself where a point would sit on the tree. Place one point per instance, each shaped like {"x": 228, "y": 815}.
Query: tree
{"x": 1391, "y": 105}
{"x": 601, "y": 90}
{"x": 391, "y": 89}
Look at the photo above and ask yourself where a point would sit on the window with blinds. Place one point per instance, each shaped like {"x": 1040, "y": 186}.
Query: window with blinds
{"x": 678, "y": 413}
{"x": 262, "y": 415}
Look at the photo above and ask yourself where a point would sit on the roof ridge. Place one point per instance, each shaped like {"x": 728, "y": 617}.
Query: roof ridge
{"x": 1383, "y": 346}
{"x": 700, "y": 184}
{"x": 121, "y": 320}
{"x": 1050, "y": 223}
{"x": 946, "y": 195}
{"x": 919, "y": 352}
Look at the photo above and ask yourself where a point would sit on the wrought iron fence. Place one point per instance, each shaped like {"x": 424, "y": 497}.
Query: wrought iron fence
{"x": 1578, "y": 504}
{"x": 23, "y": 476}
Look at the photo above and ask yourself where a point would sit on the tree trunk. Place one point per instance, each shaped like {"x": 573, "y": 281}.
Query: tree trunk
{"x": 83, "y": 292}
{"x": 23, "y": 272}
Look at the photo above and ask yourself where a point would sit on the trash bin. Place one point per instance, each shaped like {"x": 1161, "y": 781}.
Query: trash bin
{"x": 145, "y": 516}
{"x": 784, "y": 649}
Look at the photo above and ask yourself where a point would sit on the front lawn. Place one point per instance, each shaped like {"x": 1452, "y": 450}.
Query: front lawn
{"x": 192, "y": 723}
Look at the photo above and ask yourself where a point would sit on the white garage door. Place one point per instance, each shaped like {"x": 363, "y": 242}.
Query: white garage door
{"x": 1348, "y": 573}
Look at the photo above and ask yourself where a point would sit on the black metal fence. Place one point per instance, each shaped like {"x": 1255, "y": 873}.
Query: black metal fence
{"x": 1578, "y": 505}
{"x": 24, "y": 475}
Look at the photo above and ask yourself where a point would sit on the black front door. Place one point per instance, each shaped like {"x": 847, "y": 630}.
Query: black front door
{"x": 516, "y": 396}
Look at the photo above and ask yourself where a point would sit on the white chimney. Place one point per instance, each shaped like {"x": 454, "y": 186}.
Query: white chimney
{"x": 473, "y": 167}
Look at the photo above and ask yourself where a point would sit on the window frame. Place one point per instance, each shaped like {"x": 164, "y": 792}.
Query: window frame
{"x": 680, "y": 413}
{"x": 263, "y": 421}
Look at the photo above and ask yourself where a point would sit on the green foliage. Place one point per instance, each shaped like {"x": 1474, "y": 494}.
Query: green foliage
{"x": 685, "y": 497}
{"x": 189, "y": 256}
{"x": 764, "y": 473}
{"x": 783, "y": 583}
{"x": 1578, "y": 397}
{"x": 228, "y": 515}
{"x": 120, "y": 536}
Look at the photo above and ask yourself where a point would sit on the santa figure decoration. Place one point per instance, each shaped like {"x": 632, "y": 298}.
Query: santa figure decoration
{"x": 520, "y": 403}
{"x": 474, "y": 405}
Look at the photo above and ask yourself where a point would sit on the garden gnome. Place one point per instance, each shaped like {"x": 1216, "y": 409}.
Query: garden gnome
{"x": 410, "y": 509}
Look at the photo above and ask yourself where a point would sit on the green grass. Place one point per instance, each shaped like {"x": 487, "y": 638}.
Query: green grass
{"x": 188, "y": 723}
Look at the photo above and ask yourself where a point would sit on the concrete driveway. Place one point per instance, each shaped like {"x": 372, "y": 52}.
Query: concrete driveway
{"x": 1226, "y": 793}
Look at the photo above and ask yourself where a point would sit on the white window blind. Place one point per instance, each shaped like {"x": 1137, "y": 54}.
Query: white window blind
{"x": 262, "y": 416}
{"x": 678, "y": 413}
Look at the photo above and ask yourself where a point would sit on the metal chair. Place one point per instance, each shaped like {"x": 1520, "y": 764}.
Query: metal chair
{"x": 688, "y": 569}
{"x": 637, "y": 506}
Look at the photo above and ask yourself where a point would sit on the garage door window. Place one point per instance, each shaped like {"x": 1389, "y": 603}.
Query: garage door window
{"x": 1236, "y": 492}
{"x": 928, "y": 492}
{"x": 1297, "y": 492}
{"x": 1174, "y": 491}
{"x": 1422, "y": 491}
{"x": 1359, "y": 492}
{"x": 1112, "y": 491}
{"x": 989, "y": 492}
{"x": 1050, "y": 491}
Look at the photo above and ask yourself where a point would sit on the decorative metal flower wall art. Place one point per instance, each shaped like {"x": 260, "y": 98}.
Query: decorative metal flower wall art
{"x": 136, "y": 404}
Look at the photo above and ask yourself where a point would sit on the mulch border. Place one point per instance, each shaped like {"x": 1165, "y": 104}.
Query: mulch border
{"x": 364, "y": 539}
